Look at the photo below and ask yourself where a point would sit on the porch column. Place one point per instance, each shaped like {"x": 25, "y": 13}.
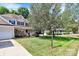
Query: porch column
{"x": 15, "y": 22}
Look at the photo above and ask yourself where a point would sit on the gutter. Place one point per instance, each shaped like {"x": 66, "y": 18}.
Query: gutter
{"x": 6, "y": 24}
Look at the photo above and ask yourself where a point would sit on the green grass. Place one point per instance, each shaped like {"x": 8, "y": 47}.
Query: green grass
{"x": 41, "y": 46}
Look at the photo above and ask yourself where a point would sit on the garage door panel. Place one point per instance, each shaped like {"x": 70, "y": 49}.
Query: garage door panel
{"x": 5, "y": 35}
{"x": 6, "y": 32}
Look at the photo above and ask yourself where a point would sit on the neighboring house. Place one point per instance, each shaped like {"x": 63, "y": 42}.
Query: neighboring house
{"x": 12, "y": 25}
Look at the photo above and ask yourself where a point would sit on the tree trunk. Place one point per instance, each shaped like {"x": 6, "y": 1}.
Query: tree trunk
{"x": 43, "y": 32}
{"x": 37, "y": 34}
{"x": 78, "y": 29}
{"x": 53, "y": 33}
{"x": 51, "y": 43}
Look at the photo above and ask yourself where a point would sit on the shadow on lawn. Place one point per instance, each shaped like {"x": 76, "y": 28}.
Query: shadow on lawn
{"x": 67, "y": 39}
{"x": 57, "y": 46}
{"x": 58, "y": 38}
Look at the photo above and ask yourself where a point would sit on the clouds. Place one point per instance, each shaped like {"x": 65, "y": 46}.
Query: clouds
{"x": 10, "y": 5}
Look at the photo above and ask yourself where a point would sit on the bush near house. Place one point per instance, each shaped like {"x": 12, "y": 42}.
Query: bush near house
{"x": 19, "y": 33}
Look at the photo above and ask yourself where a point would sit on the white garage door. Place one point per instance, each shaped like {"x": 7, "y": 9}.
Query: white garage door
{"x": 6, "y": 32}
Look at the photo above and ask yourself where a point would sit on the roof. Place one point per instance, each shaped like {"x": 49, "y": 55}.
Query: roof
{"x": 5, "y": 20}
{"x": 14, "y": 17}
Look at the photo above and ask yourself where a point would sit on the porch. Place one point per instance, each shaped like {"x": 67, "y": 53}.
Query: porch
{"x": 22, "y": 31}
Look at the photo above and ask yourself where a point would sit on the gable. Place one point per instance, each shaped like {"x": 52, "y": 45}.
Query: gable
{"x": 3, "y": 22}
{"x": 13, "y": 16}
{"x": 8, "y": 17}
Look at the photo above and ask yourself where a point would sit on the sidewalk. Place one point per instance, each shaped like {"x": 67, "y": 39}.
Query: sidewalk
{"x": 12, "y": 48}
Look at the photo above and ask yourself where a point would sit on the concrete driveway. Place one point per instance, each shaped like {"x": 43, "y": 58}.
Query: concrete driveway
{"x": 11, "y": 48}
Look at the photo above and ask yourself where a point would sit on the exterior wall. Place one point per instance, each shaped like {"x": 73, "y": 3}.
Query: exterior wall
{"x": 10, "y": 29}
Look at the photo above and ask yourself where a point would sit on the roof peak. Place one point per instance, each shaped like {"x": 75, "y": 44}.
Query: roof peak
{"x": 12, "y": 14}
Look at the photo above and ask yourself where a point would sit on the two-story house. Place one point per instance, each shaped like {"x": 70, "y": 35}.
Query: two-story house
{"x": 12, "y": 25}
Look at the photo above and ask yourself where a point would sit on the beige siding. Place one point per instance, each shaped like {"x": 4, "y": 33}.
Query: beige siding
{"x": 2, "y": 22}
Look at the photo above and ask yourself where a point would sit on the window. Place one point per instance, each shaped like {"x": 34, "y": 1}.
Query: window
{"x": 12, "y": 21}
{"x": 20, "y": 23}
{"x": 26, "y": 24}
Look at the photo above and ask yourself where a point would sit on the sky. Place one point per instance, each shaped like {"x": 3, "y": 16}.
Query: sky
{"x": 15, "y": 5}
{"x": 62, "y": 7}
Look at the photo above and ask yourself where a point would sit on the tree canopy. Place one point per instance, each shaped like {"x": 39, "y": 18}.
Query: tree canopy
{"x": 23, "y": 11}
{"x": 69, "y": 16}
{"x": 3, "y": 10}
{"x": 40, "y": 15}
{"x": 42, "y": 18}
{"x": 13, "y": 12}
{"x": 20, "y": 11}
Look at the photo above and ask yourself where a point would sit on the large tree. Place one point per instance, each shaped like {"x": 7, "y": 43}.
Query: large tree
{"x": 55, "y": 17}
{"x": 45, "y": 16}
{"x": 3, "y": 10}
{"x": 23, "y": 11}
{"x": 75, "y": 11}
{"x": 40, "y": 16}
{"x": 69, "y": 16}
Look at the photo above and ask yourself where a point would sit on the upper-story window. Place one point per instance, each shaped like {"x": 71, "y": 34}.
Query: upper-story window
{"x": 12, "y": 21}
{"x": 20, "y": 23}
{"x": 26, "y": 24}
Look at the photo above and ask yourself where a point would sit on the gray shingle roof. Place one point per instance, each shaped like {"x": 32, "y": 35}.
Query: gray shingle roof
{"x": 15, "y": 17}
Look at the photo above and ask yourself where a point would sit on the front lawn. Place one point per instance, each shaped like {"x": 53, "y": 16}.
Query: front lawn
{"x": 41, "y": 46}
